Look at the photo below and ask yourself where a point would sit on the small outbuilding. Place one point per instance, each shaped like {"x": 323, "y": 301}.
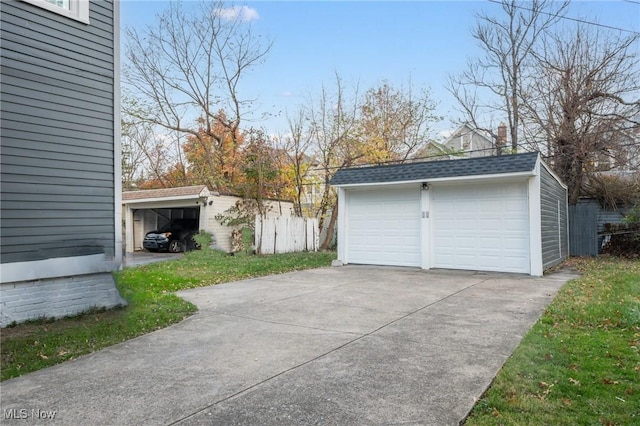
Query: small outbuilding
{"x": 146, "y": 210}
{"x": 504, "y": 213}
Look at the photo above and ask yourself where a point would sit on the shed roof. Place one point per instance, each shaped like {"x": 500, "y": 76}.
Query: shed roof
{"x": 407, "y": 172}
{"x": 184, "y": 191}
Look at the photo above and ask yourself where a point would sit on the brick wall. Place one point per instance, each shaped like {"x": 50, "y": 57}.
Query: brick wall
{"x": 56, "y": 298}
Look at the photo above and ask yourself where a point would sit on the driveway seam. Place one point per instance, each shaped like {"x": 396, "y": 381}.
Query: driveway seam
{"x": 292, "y": 325}
{"x": 337, "y": 348}
{"x": 206, "y": 311}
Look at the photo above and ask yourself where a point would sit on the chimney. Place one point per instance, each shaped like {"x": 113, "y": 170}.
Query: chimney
{"x": 501, "y": 140}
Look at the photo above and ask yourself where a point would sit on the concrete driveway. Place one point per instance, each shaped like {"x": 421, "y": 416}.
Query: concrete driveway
{"x": 337, "y": 346}
{"x": 144, "y": 257}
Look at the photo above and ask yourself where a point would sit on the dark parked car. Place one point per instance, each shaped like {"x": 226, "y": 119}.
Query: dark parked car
{"x": 175, "y": 237}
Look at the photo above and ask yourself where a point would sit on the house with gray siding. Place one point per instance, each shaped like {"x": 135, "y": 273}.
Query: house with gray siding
{"x": 469, "y": 142}
{"x": 504, "y": 213}
{"x": 60, "y": 160}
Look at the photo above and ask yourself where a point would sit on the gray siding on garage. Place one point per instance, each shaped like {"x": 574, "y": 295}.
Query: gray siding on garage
{"x": 553, "y": 210}
{"x": 57, "y": 177}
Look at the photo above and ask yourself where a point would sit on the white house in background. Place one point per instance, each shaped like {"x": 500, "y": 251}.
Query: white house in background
{"x": 468, "y": 142}
{"x": 148, "y": 210}
{"x": 61, "y": 210}
{"x": 503, "y": 213}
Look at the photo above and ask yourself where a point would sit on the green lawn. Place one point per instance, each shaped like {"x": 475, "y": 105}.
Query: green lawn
{"x": 580, "y": 364}
{"x": 151, "y": 305}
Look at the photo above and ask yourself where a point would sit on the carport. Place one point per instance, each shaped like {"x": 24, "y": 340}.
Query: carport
{"x": 148, "y": 210}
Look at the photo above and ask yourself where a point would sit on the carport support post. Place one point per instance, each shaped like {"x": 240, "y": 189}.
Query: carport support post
{"x": 128, "y": 226}
{"x": 425, "y": 227}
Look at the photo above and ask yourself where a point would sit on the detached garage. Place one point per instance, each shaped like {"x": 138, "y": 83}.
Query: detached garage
{"x": 506, "y": 213}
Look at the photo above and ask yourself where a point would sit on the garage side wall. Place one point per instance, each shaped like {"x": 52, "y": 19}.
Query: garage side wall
{"x": 553, "y": 211}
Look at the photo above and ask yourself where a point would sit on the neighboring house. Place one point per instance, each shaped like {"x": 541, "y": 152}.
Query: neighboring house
{"x": 622, "y": 155}
{"x": 467, "y": 142}
{"x": 150, "y": 209}
{"x": 433, "y": 151}
{"x": 313, "y": 188}
{"x": 504, "y": 213}
{"x": 60, "y": 175}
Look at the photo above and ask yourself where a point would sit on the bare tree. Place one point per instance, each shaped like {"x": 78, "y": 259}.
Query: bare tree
{"x": 332, "y": 122}
{"x": 492, "y": 84}
{"x": 149, "y": 158}
{"x": 585, "y": 104}
{"x": 296, "y": 145}
{"x": 187, "y": 68}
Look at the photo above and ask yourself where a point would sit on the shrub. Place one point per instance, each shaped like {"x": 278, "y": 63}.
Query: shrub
{"x": 633, "y": 216}
{"x": 624, "y": 240}
{"x": 204, "y": 239}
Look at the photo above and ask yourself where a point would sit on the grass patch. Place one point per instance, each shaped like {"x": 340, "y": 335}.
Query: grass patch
{"x": 580, "y": 363}
{"x": 151, "y": 305}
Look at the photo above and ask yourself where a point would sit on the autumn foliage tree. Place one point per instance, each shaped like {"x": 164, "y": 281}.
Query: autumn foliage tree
{"x": 394, "y": 123}
{"x": 215, "y": 161}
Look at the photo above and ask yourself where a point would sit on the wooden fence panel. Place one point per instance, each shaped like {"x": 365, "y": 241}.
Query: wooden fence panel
{"x": 286, "y": 234}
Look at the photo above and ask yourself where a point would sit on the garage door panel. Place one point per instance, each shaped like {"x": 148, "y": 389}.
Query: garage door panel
{"x": 489, "y": 243}
{"x": 490, "y": 206}
{"x": 481, "y": 227}
{"x": 384, "y": 227}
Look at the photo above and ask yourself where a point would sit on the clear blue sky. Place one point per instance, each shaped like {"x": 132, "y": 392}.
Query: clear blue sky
{"x": 367, "y": 42}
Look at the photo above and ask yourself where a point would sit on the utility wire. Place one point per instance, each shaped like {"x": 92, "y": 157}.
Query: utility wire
{"x": 582, "y": 21}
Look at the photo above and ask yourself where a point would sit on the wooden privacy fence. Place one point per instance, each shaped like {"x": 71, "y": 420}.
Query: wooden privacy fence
{"x": 286, "y": 234}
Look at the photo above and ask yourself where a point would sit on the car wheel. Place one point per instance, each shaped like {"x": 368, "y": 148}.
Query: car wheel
{"x": 176, "y": 246}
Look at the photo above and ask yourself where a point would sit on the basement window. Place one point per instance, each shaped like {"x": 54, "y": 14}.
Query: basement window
{"x": 74, "y": 9}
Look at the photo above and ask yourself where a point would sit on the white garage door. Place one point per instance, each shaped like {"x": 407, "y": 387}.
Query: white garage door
{"x": 383, "y": 227}
{"x": 481, "y": 227}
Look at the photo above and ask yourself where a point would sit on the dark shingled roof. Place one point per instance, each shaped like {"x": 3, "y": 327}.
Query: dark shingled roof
{"x": 437, "y": 169}
{"x": 163, "y": 192}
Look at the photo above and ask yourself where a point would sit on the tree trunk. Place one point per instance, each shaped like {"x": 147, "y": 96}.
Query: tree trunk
{"x": 330, "y": 228}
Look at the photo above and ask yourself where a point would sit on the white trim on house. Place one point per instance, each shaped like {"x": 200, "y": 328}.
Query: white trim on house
{"x": 342, "y": 219}
{"x": 458, "y": 179}
{"x": 163, "y": 201}
{"x": 535, "y": 223}
{"x": 78, "y": 9}
{"x": 117, "y": 151}
{"x": 552, "y": 173}
{"x": 56, "y": 267}
{"x": 426, "y": 229}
